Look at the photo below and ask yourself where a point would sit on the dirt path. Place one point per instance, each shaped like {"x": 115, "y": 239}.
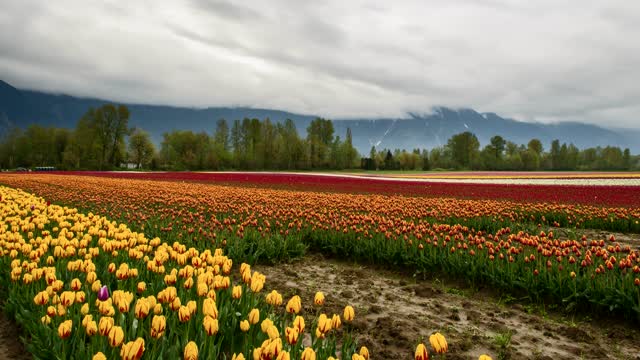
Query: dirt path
{"x": 394, "y": 311}
{"x": 10, "y": 346}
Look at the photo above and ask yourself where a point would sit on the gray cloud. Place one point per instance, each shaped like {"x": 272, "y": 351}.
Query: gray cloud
{"x": 539, "y": 60}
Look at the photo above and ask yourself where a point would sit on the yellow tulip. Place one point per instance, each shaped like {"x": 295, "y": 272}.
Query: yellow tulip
{"x": 41, "y": 298}
{"x": 298, "y": 323}
{"x": 364, "y": 352}
{"x": 319, "y": 298}
{"x": 438, "y": 343}
{"x": 64, "y": 330}
{"x": 244, "y": 325}
{"x": 284, "y": 356}
{"x": 236, "y": 293}
{"x": 335, "y": 322}
{"x": 291, "y": 334}
{"x": 265, "y": 325}
{"x": 142, "y": 287}
{"x": 485, "y": 357}
{"x": 238, "y": 357}
{"x": 80, "y": 297}
{"x": 254, "y": 316}
{"x": 132, "y": 350}
{"x": 116, "y": 336}
{"x": 158, "y": 326}
{"x": 308, "y": 354}
{"x": 142, "y": 308}
{"x": 202, "y": 289}
{"x": 421, "y": 352}
{"x": 357, "y": 357}
{"x": 192, "y": 306}
{"x": 324, "y": 324}
{"x": 294, "y": 305}
{"x": 191, "y": 351}
{"x": 45, "y": 320}
{"x": 157, "y": 309}
{"x": 122, "y": 300}
{"x": 274, "y": 298}
{"x": 91, "y": 328}
{"x": 76, "y": 284}
{"x": 209, "y": 308}
{"x": 210, "y": 325}
{"x": 67, "y": 298}
{"x": 99, "y": 356}
{"x": 349, "y": 313}
{"x": 104, "y": 325}
{"x": 273, "y": 332}
{"x": 184, "y": 314}
{"x": 175, "y": 304}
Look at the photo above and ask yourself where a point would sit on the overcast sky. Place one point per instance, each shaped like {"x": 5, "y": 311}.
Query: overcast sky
{"x": 542, "y": 60}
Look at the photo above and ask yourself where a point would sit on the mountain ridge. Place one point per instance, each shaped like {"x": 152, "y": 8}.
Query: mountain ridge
{"x": 25, "y": 107}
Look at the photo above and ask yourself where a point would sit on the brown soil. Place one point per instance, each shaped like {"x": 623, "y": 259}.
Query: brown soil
{"x": 394, "y": 311}
{"x": 10, "y": 345}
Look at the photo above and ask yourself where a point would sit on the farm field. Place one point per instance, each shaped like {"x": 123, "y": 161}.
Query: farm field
{"x": 522, "y": 271}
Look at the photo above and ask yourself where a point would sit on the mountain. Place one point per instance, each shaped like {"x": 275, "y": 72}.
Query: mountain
{"x": 25, "y": 107}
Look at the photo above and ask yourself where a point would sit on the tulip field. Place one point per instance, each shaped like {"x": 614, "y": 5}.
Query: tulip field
{"x": 191, "y": 265}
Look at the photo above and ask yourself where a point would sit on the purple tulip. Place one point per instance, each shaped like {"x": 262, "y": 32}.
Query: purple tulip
{"x": 103, "y": 293}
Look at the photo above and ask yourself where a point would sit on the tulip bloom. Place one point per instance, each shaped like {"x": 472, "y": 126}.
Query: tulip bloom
{"x": 142, "y": 308}
{"x": 238, "y": 357}
{"x": 254, "y": 316}
{"x": 298, "y": 323}
{"x": 103, "y": 293}
{"x": 324, "y": 324}
{"x": 485, "y": 357}
{"x": 439, "y": 343}
{"x": 244, "y": 325}
{"x": 191, "y": 351}
{"x": 132, "y": 350}
{"x": 291, "y": 334}
{"x": 105, "y": 325}
{"x": 91, "y": 328}
{"x": 236, "y": 293}
{"x": 266, "y": 324}
{"x": 294, "y": 305}
{"x": 308, "y": 354}
{"x": 41, "y": 298}
{"x": 158, "y": 325}
{"x": 364, "y": 352}
{"x": 421, "y": 352}
{"x": 274, "y": 298}
{"x": 210, "y": 325}
{"x": 99, "y": 356}
{"x": 209, "y": 308}
{"x": 335, "y": 321}
{"x": 349, "y": 313}
{"x": 116, "y": 336}
{"x": 64, "y": 330}
{"x": 318, "y": 299}
{"x": 184, "y": 314}
{"x": 142, "y": 287}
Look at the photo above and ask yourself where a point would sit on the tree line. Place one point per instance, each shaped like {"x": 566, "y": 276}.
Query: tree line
{"x": 463, "y": 152}
{"x": 102, "y": 140}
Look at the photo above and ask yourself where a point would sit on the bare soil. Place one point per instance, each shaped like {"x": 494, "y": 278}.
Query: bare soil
{"x": 10, "y": 345}
{"x": 395, "y": 310}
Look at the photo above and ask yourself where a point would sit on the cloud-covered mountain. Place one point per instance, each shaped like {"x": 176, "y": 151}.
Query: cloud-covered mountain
{"x": 24, "y": 107}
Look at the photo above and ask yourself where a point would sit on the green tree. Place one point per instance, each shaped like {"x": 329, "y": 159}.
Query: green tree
{"x": 141, "y": 149}
{"x": 464, "y": 149}
{"x": 535, "y": 146}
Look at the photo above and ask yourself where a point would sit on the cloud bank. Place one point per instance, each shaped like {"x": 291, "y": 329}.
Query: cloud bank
{"x": 544, "y": 60}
